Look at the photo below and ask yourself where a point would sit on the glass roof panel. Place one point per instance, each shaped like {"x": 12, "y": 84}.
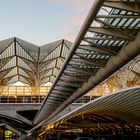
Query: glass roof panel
{"x": 13, "y": 80}
{"x": 21, "y": 52}
{"x": 10, "y": 64}
{"x": 9, "y": 51}
{"x": 22, "y": 64}
{"x": 23, "y": 80}
{"x": 22, "y": 72}
{"x": 12, "y": 72}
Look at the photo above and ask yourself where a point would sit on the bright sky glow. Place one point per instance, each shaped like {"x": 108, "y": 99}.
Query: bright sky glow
{"x": 42, "y": 21}
{"x": 18, "y": 84}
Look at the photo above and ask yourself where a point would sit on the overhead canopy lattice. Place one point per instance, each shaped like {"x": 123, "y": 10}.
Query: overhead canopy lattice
{"x": 103, "y": 45}
{"x": 29, "y": 63}
{"x": 110, "y": 110}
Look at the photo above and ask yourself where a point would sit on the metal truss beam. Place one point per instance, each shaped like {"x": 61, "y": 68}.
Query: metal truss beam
{"x": 111, "y": 32}
{"x": 64, "y": 89}
{"x": 92, "y": 14}
{"x": 89, "y": 61}
{"x": 69, "y": 78}
{"x": 128, "y": 6}
{"x": 130, "y": 51}
{"x": 61, "y": 93}
{"x": 100, "y": 49}
{"x": 69, "y": 84}
{"x": 53, "y": 99}
{"x": 117, "y": 30}
{"x": 118, "y": 16}
{"x": 91, "y": 39}
{"x": 59, "y": 96}
{"x": 78, "y": 70}
{"x": 129, "y": 46}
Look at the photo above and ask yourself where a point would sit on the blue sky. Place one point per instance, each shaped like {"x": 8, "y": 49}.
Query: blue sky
{"x": 42, "y": 21}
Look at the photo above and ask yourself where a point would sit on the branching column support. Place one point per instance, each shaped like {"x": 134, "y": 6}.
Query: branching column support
{"x": 37, "y": 78}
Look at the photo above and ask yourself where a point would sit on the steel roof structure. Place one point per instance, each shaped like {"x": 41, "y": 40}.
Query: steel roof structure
{"x": 109, "y": 111}
{"x": 108, "y": 39}
{"x": 31, "y": 64}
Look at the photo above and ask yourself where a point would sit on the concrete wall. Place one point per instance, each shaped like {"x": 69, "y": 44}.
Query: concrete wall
{"x": 10, "y": 110}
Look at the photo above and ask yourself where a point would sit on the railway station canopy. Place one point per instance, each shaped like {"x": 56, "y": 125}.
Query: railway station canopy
{"x": 27, "y": 70}
{"x": 61, "y": 72}
{"x": 108, "y": 40}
